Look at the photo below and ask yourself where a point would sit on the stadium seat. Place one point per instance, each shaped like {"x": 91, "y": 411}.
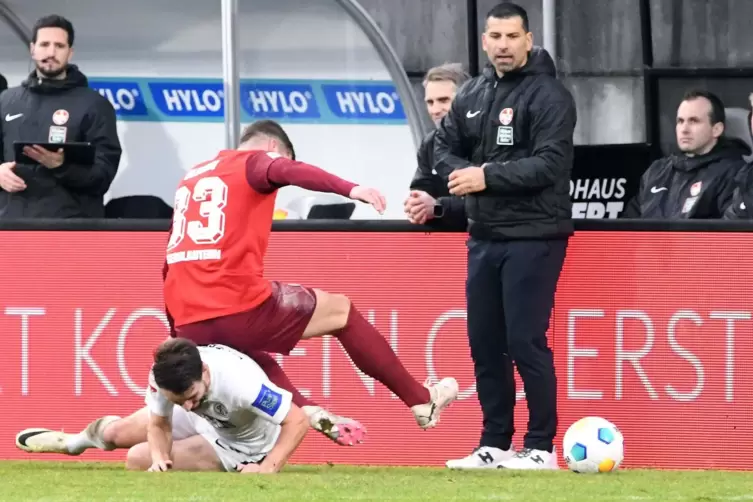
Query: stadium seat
{"x": 321, "y": 207}
{"x": 738, "y": 126}
{"x": 138, "y": 206}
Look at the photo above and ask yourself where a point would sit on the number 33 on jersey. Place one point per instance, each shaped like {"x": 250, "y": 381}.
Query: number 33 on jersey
{"x": 220, "y": 230}
{"x": 210, "y": 194}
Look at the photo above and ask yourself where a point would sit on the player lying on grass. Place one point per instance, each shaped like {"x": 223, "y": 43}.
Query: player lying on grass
{"x": 215, "y": 288}
{"x": 229, "y": 417}
{"x": 112, "y": 432}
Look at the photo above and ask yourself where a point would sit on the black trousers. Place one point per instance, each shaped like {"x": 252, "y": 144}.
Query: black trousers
{"x": 510, "y": 295}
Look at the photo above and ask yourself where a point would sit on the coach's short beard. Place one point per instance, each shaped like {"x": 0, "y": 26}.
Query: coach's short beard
{"x": 51, "y": 73}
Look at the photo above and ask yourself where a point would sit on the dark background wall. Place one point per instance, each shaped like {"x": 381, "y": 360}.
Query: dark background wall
{"x": 599, "y": 52}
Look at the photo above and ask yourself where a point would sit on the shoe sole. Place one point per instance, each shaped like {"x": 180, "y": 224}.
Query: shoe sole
{"x": 473, "y": 468}
{"x": 350, "y": 434}
{"x": 345, "y": 433}
{"x": 437, "y": 410}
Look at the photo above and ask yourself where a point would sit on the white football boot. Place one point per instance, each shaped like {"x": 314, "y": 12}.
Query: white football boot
{"x": 38, "y": 440}
{"x": 443, "y": 393}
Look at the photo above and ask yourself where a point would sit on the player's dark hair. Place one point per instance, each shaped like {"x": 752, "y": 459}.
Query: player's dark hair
{"x": 54, "y": 21}
{"x": 177, "y": 365}
{"x": 508, "y": 10}
{"x": 717, "y": 113}
{"x": 268, "y": 128}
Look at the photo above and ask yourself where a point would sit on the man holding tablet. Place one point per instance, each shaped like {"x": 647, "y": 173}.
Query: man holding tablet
{"x": 59, "y": 147}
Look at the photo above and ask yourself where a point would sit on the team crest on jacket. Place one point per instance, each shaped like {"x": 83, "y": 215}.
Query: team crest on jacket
{"x": 695, "y": 189}
{"x": 505, "y": 116}
{"x": 60, "y": 117}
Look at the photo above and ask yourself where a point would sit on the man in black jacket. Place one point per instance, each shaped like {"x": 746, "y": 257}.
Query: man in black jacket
{"x": 741, "y": 206}
{"x": 507, "y": 146}
{"x": 698, "y": 182}
{"x": 55, "y": 105}
{"x": 430, "y": 201}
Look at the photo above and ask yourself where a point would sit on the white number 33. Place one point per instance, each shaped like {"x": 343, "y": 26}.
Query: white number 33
{"x": 211, "y": 193}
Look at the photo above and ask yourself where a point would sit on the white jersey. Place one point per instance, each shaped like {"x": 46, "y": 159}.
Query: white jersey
{"x": 242, "y": 405}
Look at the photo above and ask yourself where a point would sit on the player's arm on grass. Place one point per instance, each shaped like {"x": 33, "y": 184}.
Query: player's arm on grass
{"x": 159, "y": 432}
{"x": 269, "y": 172}
{"x": 274, "y": 404}
{"x": 160, "y": 437}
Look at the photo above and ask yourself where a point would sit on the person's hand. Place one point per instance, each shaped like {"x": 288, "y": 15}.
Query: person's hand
{"x": 256, "y": 469}
{"x": 468, "y": 180}
{"x": 50, "y": 160}
{"x": 161, "y": 466}
{"x": 10, "y": 181}
{"x": 249, "y": 468}
{"x": 369, "y": 196}
{"x": 419, "y": 206}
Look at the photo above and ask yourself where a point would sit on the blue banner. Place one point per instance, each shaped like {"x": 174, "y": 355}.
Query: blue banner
{"x": 279, "y": 101}
{"x": 354, "y": 101}
{"x": 287, "y": 101}
{"x": 126, "y": 97}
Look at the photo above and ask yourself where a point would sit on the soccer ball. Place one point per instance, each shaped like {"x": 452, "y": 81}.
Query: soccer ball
{"x": 593, "y": 444}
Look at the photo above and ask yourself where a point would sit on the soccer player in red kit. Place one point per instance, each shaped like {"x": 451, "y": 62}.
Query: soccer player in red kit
{"x": 215, "y": 290}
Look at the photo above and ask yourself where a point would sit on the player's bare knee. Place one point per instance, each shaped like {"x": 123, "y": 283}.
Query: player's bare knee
{"x": 331, "y": 312}
{"x": 339, "y": 309}
{"x": 138, "y": 458}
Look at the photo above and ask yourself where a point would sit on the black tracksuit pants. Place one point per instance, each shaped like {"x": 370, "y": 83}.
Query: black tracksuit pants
{"x": 510, "y": 295}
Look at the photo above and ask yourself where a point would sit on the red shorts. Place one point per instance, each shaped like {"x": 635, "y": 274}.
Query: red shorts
{"x": 276, "y": 325}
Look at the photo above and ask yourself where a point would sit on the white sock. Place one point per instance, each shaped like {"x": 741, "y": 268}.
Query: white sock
{"x": 77, "y": 443}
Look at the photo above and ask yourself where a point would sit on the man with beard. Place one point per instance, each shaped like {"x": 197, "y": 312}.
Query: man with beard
{"x": 506, "y": 146}
{"x": 698, "y": 182}
{"x": 55, "y": 105}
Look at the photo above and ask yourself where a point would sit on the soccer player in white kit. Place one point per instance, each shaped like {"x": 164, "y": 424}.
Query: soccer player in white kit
{"x": 254, "y": 425}
{"x": 209, "y": 409}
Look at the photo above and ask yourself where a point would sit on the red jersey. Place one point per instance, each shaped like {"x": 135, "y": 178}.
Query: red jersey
{"x": 222, "y": 220}
{"x": 221, "y": 227}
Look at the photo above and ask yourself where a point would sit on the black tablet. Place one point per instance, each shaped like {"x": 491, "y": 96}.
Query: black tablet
{"x": 75, "y": 153}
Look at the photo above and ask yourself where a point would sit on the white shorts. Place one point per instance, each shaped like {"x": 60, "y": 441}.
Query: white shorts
{"x": 230, "y": 453}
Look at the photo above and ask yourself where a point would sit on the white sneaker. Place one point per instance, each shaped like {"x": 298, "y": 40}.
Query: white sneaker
{"x": 442, "y": 395}
{"x": 483, "y": 457}
{"x": 530, "y": 459}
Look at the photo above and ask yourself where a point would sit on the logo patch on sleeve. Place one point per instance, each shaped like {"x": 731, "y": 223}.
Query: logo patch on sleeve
{"x": 268, "y": 401}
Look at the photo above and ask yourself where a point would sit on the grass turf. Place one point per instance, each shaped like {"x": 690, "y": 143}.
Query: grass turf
{"x": 79, "y": 481}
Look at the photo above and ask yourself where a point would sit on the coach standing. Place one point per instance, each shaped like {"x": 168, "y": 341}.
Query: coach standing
{"x": 507, "y": 146}
{"x": 55, "y": 105}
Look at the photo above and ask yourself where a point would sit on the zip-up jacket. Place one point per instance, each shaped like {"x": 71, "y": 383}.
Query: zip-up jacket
{"x": 426, "y": 179}
{"x": 741, "y": 206}
{"x": 58, "y": 111}
{"x": 520, "y": 128}
{"x": 682, "y": 187}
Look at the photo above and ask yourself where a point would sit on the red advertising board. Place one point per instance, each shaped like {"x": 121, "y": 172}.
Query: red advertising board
{"x": 650, "y": 330}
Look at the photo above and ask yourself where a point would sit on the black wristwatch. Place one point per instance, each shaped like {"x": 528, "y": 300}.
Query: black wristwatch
{"x": 438, "y": 210}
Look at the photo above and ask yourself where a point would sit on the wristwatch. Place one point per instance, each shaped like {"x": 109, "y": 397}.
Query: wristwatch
{"x": 438, "y": 210}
